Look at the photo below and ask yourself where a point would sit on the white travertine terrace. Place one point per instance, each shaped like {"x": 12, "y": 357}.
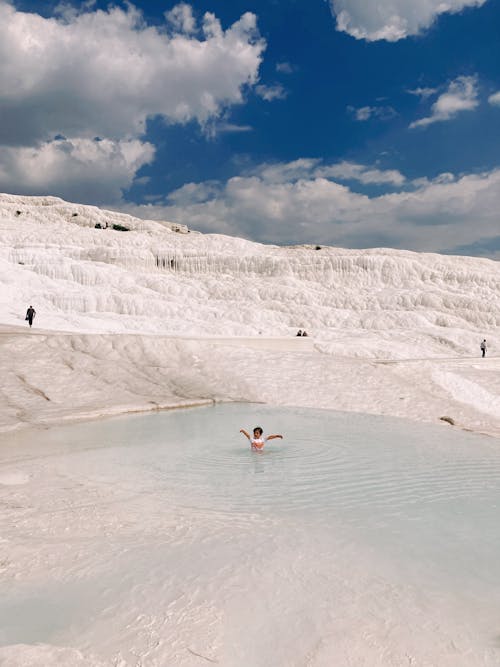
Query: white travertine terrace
{"x": 160, "y": 316}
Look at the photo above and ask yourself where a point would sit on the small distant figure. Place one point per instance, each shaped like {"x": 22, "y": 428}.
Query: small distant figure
{"x": 299, "y": 332}
{"x": 483, "y": 348}
{"x": 258, "y": 440}
{"x": 304, "y": 333}
{"x": 30, "y": 314}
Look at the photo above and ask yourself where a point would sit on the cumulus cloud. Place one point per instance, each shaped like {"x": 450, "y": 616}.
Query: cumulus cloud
{"x": 423, "y": 92}
{"x": 284, "y": 172}
{"x": 392, "y": 20}
{"x": 181, "y": 18}
{"x": 462, "y": 95}
{"x": 271, "y": 93}
{"x": 285, "y": 68}
{"x": 88, "y": 73}
{"x": 78, "y": 166}
{"x": 303, "y": 202}
{"x": 69, "y": 12}
{"x": 351, "y": 171}
{"x": 362, "y": 114}
{"x": 104, "y": 72}
{"x": 494, "y": 99}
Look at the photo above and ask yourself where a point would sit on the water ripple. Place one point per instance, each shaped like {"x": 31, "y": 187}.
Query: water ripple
{"x": 316, "y": 475}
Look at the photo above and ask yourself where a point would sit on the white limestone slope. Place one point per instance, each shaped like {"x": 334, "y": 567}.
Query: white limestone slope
{"x": 209, "y": 317}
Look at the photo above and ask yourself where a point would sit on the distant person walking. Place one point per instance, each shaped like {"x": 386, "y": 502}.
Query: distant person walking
{"x": 30, "y": 314}
{"x": 483, "y": 347}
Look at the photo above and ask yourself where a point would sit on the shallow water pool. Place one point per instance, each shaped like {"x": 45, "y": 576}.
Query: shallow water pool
{"x": 164, "y": 540}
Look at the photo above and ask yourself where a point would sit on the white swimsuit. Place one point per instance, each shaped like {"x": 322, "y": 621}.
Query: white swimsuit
{"x": 258, "y": 443}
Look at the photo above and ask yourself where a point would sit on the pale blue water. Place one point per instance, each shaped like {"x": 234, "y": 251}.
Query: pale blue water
{"x": 422, "y": 499}
{"x": 433, "y": 489}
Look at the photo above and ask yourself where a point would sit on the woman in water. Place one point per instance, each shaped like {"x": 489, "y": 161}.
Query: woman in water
{"x": 257, "y": 441}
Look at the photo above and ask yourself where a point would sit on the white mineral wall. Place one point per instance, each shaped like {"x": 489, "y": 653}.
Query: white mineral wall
{"x": 154, "y": 279}
{"x": 213, "y": 318}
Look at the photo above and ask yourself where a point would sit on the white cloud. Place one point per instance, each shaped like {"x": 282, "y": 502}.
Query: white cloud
{"x": 271, "y": 93}
{"x": 77, "y": 166}
{"x": 351, "y": 171}
{"x": 231, "y": 128}
{"x": 423, "y": 93}
{"x": 299, "y": 202}
{"x": 392, "y": 20}
{"x": 95, "y": 73}
{"x": 284, "y": 172}
{"x": 181, "y": 19}
{"x": 362, "y": 114}
{"x": 285, "y": 68}
{"x": 462, "y": 95}
{"x": 69, "y": 12}
{"x": 494, "y": 99}
{"x": 104, "y": 72}
{"x": 195, "y": 193}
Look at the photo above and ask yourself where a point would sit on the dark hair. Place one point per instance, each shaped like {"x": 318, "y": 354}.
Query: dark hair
{"x": 258, "y": 428}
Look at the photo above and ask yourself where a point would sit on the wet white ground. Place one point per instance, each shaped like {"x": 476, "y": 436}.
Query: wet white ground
{"x": 50, "y": 377}
{"x": 163, "y": 540}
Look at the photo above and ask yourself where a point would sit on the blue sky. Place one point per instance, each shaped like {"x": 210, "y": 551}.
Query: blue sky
{"x": 283, "y": 121}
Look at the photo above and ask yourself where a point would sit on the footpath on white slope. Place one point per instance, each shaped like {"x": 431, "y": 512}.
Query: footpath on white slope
{"x": 50, "y": 377}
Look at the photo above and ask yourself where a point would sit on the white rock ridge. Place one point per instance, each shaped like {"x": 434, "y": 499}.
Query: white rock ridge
{"x": 215, "y": 318}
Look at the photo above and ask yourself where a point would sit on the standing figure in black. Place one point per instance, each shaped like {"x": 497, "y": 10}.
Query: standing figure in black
{"x": 483, "y": 347}
{"x": 30, "y": 314}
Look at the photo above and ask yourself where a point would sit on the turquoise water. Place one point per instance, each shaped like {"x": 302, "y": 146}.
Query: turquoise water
{"x": 408, "y": 510}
